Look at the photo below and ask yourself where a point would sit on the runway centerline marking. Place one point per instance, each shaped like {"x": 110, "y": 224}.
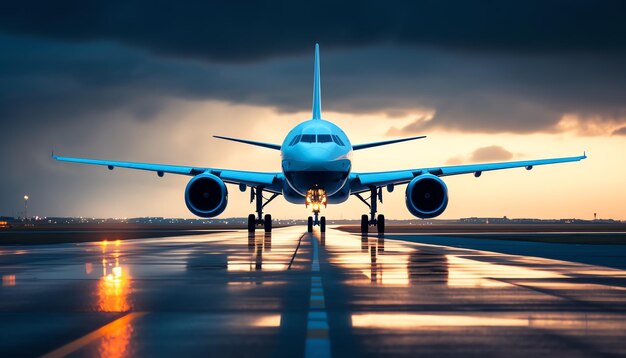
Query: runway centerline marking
{"x": 317, "y": 343}
{"x": 90, "y": 337}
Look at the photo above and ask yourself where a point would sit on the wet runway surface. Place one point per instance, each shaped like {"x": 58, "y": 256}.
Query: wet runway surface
{"x": 298, "y": 294}
{"x": 593, "y": 254}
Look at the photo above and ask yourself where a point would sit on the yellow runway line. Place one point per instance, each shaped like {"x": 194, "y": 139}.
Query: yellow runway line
{"x": 98, "y": 333}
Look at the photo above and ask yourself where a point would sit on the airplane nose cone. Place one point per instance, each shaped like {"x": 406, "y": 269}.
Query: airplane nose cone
{"x": 311, "y": 159}
{"x": 316, "y": 154}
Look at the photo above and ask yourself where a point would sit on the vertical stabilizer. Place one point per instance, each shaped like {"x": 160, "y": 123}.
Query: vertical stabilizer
{"x": 317, "y": 97}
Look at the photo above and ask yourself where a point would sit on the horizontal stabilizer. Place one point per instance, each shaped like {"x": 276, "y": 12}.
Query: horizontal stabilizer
{"x": 251, "y": 142}
{"x": 385, "y": 142}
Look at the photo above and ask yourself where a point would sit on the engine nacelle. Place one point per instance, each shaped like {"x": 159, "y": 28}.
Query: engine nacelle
{"x": 426, "y": 196}
{"x": 206, "y": 195}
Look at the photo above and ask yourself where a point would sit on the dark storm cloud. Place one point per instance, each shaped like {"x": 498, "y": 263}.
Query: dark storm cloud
{"x": 51, "y": 81}
{"x": 483, "y": 66}
{"x": 246, "y": 31}
{"x": 620, "y": 131}
{"x": 73, "y": 74}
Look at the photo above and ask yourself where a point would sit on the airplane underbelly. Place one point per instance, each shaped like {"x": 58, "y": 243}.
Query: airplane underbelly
{"x": 330, "y": 181}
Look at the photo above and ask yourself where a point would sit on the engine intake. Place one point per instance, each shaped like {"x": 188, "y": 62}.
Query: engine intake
{"x": 206, "y": 195}
{"x": 426, "y": 196}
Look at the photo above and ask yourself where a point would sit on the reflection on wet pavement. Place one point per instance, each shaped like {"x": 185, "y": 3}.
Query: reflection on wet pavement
{"x": 114, "y": 287}
{"x": 8, "y": 280}
{"x": 409, "y": 298}
{"x": 234, "y": 294}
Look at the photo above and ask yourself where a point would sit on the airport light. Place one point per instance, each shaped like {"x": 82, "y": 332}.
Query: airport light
{"x": 25, "y": 207}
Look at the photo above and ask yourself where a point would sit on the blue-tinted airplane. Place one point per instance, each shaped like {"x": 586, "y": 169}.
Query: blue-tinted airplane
{"x": 317, "y": 171}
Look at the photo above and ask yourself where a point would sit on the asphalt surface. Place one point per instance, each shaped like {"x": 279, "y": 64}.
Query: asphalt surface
{"x": 298, "y": 294}
{"x": 593, "y": 254}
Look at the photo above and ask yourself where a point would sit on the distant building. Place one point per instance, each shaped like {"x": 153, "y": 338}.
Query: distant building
{"x": 476, "y": 220}
{"x": 6, "y": 222}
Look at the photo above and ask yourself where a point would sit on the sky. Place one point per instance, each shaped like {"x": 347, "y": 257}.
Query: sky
{"x": 152, "y": 81}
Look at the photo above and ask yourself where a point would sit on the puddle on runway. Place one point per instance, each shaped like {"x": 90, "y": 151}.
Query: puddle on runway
{"x": 560, "y": 321}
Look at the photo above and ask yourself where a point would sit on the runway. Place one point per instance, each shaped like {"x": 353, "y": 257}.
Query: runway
{"x": 297, "y": 294}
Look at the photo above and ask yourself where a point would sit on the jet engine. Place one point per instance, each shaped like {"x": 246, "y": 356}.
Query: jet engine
{"x": 426, "y": 196}
{"x": 206, "y": 195}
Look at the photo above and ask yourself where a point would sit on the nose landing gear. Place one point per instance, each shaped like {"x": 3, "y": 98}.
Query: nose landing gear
{"x": 376, "y": 194}
{"x": 316, "y": 197}
{"x": 317, "y": 221}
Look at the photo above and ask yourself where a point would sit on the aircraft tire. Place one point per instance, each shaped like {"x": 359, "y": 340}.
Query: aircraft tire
{"x": 310, "y": 224}
{"x": 364, "y": 224}
{"x": 267, "y": 223}
{"x": 323, "y": 224}
{"x": 251, "y": 223}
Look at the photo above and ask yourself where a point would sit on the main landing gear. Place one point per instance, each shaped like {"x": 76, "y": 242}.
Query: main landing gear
{"x": 256, "y": 194}
{"x": 376, "y": 194}
{"x": 316, "y": 197}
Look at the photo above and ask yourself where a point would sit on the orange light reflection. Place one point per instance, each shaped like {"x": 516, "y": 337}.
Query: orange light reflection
{"x": 114, "y": 287}
{"x": 116, "y": 339}
{"x": 113, "y": 291}
{"x": 8, "y": 280}
{"x": 267, "y": 321}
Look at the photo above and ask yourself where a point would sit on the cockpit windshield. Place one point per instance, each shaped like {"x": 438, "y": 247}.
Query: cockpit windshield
{"x": 308, "y": 138}
{"x": 319, "y": 138}
{"x": 338, "y": 140}
{"x": 295, "y": 139}
{"x": 324, "y": 138}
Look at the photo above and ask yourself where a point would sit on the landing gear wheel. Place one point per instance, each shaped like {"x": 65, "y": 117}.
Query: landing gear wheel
{"x": 380, "y": 224}
{"x": 251, "y": 223}
{"x": 364, "y": 224}
{"x": 267, "y": 223}
{"x": 323, "y": 224}
{"x": 310, "y": 224}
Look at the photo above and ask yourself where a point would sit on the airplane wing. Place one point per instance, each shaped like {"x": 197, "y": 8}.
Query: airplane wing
{"x": 251, "y": 142}
{"x": 376, "y": 144}
{"x": 270, "y": 181}
{"x": 364, "y": 181}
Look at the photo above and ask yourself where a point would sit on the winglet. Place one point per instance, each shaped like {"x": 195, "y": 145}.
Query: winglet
{"x": 317, "y": 96}
{"x": 584, "y": 154}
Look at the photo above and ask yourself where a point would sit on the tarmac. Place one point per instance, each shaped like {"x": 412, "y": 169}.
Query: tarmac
{"x": 296, "y": 294}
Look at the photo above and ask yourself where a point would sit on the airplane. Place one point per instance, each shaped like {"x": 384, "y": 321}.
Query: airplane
{"x": 317, "y": 171}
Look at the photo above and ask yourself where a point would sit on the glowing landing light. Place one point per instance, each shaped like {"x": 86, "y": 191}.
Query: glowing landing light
{"x": 316, "y": 198}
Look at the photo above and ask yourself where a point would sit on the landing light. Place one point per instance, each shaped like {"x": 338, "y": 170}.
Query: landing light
{"x": 317, "y": 198}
